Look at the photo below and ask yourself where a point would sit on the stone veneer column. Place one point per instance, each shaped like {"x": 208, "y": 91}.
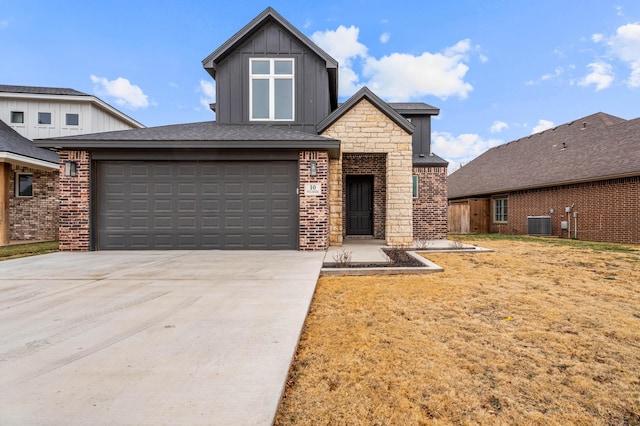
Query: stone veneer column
{"x": 75, "y": 203}
{"x": 314, "y": 209}
{"x": 335, "y": 202}
{"x": 365, "y": 129}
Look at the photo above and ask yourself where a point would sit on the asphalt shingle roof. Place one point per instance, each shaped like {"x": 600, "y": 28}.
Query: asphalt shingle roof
{"x": 204, "y": 131}
{"x": 14, "y": 143}
{"x": 595, "y": 147}
{"x": 41, "y": 90}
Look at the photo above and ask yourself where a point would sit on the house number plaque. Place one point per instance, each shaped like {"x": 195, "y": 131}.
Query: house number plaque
{"x": 312, "y": 189}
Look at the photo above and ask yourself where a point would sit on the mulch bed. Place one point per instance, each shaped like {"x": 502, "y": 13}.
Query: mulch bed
{"x": 398, "y": 258}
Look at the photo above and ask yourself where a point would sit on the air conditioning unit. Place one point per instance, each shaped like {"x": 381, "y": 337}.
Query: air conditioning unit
{"x": 539, "y": 225}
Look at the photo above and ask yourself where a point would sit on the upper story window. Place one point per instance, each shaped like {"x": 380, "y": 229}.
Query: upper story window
{"x": 271, "y": 83}
{"x": 17, "y": 117}
{"x": 44, "y": 118}
{"x": 72, "y": 119}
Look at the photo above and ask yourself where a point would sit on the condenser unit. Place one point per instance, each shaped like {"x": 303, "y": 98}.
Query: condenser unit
{"x": 539, "y": 225}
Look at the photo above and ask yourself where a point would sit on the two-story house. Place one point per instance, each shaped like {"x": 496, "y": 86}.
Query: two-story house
{"x": 283, "y": 166}
{"x": 28, "y": 174}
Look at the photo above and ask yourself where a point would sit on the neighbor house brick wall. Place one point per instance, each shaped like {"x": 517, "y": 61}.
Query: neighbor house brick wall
{"x": 75, "y": 211}
{"x": 364, "y": 130}
{"x": 314, "y": 209}
{"x": 374, "y": 165}
{"x": 607, "y": 210}
{"x": 430, "y": 207}
{"x": 36, "y": 217}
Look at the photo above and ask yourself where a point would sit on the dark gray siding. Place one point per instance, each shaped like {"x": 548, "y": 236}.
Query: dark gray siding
{"x": 312, "y": 103}
{"x": 422, "y": 134}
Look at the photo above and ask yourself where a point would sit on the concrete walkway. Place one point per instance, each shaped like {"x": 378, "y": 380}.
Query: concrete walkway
{"x": 150, "y": 338}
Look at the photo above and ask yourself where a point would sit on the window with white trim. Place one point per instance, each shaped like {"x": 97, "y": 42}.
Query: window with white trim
{"x": 416, "y": 194}
{"x": 500, "y": 210}
{"x": 72, "y": 119}
{"x": 24, "y": 185}
{"x": 17, "y": 117}
{"x": 44, "y": 118}
{"x": 271, "y": 89}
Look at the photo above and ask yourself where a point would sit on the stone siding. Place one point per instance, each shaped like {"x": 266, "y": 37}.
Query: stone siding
{"x": 430, "y": 207}
{"x": 36, "y": 217}
{"x": 314, "y": 209}
{"x": 75, "y": 201}
{"x": 366, "y": 130}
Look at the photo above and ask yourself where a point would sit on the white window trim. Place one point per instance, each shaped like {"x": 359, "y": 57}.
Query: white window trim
{"x": 45, "y": 125}
{"x": 24, "y": 118}
{"x": 272, "y": 77}
{"x": 71, "y": 125}
{"x": 415, "y": 187}
{"x": 17, "y": 185}
{"x": 495, "y": 219}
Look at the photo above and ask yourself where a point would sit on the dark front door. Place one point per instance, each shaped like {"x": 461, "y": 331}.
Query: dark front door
{"x": 360, "y": 205}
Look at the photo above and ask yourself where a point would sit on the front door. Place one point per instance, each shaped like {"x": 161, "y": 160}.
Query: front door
{"x": 360, "y": 205}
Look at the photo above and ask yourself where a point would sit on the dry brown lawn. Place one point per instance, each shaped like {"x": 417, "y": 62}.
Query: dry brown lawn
{"x": 533, "y": 333}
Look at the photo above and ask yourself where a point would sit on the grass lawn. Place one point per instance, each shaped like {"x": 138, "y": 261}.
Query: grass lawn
{"x": 537, "y": 332}
{"x": 24, "y": 250}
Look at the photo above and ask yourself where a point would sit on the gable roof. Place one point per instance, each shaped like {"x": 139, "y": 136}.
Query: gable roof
{"x": 207, "y": 135}
{"x": 248, "y": 30}
{"x": 15, "y": 148}
{"x": 59, "y": 93}
{"x": 381, "y": 105}
{"x": 596, "y": 147}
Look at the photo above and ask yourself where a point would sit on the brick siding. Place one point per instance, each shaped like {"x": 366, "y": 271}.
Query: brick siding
{"x": 608, "y": 211}
{"x": 314, "y": 209}
{"x": 372, "y": 165}
{"x": 75, "y": 212}
{"x": 430, "y": 208}
{"x": 36, "y": 217}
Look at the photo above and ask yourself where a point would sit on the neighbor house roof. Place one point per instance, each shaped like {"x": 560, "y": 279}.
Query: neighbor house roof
{"x": 63, "y": 94}
{"x": 208, "y": 134}
{"x": 596, "y": 147}
{"x": 14, "y": 148}
{"x": 381, "y": 105}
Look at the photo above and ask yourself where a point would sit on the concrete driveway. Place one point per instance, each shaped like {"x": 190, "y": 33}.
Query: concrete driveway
{"x": 150, "y": 338}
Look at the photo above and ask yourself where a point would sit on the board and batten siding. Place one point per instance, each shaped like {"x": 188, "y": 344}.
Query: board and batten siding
{"x": 312, "y": 103}
{"x": 90, "y": 118}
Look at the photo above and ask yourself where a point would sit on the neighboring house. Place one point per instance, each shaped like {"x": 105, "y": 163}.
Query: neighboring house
{"x": 284, "y": 166}
{"x": 49, "y": 112}
{"x": 578, "y": 180}
{"x": 29, "y": 175}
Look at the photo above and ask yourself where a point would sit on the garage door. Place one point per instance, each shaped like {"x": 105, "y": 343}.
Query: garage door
{"x": 197, "y": 205}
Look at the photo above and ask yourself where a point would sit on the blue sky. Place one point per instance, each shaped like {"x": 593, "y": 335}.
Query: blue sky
{"x": 498, "y": 70}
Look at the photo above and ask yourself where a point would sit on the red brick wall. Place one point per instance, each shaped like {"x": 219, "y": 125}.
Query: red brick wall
{"x": 607, "y": 210}
{"x": 314, "y": 209}
{"x": 75, "y": 212}
{"x": 34, "y": 218}
{"x": 430, "y": 208}
{"x": 368, "y": 164}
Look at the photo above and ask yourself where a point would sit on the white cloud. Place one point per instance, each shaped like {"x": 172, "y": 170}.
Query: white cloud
{"x": 498, "y": 126}
{"x": 459, "y": 150}
{"x": 625, "y": 45}
{"x": 601, "y": 76}
{"x": 542, "y": 126}
{"x": 207, "y": 91}
{"x": 124, "y": 93}
{"x": 385, "y": 37}
{"x": 398, "y": 76}
{"x": 597, "y": 38}
{"x": 344, "y": 46}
